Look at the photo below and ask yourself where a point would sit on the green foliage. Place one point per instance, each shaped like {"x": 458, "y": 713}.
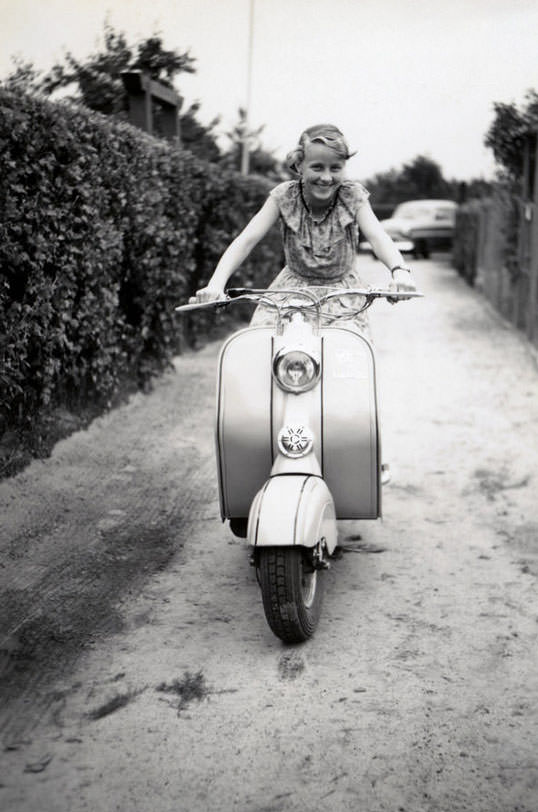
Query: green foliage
{"x": 508, "y": 131}
{"x": 24, "y": 77}
{"x": 234, "y": 200}
{"x": 466, "y": 236}
{"x": 198, "y": 138}
{"x": 422, "y": 178}
{"x": 103, "y": 230}
{"x": 96, "y": 82}
{"x": 487, "y": 235}
{"x": 488, "y": 231}
{"x": 261, "y": 161}
{"x": 98, "y": 77}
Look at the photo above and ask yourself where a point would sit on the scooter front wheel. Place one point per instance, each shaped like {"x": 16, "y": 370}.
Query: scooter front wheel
{"x": 292, "y": 591}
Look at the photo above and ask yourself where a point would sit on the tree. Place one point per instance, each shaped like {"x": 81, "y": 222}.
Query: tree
{"x": 261, "y": 161}
{"x": 96, "y": 81}
{"x": 508, "y": 130}
{"x": 199, "y": 139}
{"x": 24, "y": 76}
{"x": 422, "y": 178}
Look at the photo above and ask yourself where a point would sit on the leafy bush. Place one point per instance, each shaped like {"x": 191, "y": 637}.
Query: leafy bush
{"x": 511, "y": 126}
{"x": 465, "y": 246}
{"x": 486, "y": 236}
{"x": 103, "y": 230}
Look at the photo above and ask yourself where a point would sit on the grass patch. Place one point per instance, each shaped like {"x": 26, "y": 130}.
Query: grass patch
{"x": 187, "y": 688}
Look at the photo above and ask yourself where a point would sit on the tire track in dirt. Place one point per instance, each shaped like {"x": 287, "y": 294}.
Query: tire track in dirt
{"x": 87, "y": 528}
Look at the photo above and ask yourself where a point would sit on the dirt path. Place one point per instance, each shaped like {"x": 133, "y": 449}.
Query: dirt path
{"x": 139, "y": 672}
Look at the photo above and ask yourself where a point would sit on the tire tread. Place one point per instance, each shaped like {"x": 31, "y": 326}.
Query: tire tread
{"x": 280, "y": 580}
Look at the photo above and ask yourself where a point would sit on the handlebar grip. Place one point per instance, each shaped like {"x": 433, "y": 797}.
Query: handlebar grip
{"x": 233, "y": 293}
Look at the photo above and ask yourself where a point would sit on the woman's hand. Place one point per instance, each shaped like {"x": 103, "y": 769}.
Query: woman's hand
{"x": 402, "y": 282}
{"x": 208, "y": 294}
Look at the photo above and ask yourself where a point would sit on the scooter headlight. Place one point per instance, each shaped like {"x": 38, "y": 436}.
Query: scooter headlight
{"x": 295, "y": 370}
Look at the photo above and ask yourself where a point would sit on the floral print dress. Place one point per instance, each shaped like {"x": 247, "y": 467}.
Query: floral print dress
{"x": 320, "y": 253}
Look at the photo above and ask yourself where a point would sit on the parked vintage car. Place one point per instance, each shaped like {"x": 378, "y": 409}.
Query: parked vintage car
{"x": 419, "y": 226}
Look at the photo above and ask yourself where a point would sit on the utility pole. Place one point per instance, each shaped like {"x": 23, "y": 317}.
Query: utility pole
{"x": 245, "y": 156}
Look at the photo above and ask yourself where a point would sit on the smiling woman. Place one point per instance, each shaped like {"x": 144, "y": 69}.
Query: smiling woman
{"x": 320, "y": 215}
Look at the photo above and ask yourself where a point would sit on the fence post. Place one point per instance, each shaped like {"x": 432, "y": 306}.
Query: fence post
{"x": 532, "y": 213}
{"x": 144, "y": 93}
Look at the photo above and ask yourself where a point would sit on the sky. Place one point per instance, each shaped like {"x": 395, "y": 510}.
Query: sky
{"x": 401, "y": 78}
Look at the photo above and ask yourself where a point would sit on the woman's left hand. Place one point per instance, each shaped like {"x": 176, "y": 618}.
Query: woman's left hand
{"x": 402, "y": 282}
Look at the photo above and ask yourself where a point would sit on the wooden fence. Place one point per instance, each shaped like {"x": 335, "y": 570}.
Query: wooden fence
{"x": 498, "y": 249}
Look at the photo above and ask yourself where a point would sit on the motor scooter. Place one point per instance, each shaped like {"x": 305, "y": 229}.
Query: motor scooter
{"x": 297, "y": 441}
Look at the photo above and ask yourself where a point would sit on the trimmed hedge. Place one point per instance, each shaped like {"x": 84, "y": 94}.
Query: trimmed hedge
{"x": 103, "y": 230}
{"x": 465, "y": 245}
{"x": 487, "y": 233}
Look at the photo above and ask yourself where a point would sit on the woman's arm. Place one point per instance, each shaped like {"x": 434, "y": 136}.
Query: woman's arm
{"x": 384, "y": 248}
{"x": 238, "y": 251}
{"x": 381, "y": 243}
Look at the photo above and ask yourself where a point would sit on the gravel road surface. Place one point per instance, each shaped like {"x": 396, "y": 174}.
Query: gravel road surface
{"x": 139, "y": 673}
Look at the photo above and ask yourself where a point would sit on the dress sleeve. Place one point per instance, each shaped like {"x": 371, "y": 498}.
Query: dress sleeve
{"x": 353, "y": 195}
{"x": 361, "y": 194}
{"x": 281, "y": 193}
{"x": 286, "y": 197}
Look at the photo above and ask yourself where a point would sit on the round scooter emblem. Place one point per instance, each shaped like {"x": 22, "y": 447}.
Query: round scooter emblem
{"x": 295, "y": 441}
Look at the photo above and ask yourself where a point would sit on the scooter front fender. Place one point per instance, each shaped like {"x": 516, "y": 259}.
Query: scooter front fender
{"x": 293, "y": 509}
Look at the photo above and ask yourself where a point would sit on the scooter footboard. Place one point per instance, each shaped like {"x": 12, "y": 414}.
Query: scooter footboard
{"x": 293, "y": 510}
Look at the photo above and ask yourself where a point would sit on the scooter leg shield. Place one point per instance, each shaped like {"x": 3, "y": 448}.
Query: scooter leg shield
{"x": 293, "y": 510}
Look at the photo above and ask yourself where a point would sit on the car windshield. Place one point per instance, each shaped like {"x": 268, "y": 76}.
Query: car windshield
{"x": 414, "y": 211}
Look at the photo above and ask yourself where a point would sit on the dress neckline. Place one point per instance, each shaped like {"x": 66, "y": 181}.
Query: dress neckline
{"x": 326, "y": 213}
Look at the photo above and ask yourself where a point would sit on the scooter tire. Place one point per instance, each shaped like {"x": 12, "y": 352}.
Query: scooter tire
{"x": 292, "y": 592}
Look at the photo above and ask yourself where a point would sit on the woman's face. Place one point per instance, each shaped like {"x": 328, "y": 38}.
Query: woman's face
{"x": 322, "y": 172}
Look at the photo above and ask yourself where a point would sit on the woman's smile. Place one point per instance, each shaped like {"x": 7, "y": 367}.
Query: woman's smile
{"x": 322, "y": 172}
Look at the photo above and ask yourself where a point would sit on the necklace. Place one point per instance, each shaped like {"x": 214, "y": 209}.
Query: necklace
{"x": 317, "y": 218}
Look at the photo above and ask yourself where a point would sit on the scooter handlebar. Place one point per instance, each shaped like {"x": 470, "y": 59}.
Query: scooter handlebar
{"x": 256, "y": 295}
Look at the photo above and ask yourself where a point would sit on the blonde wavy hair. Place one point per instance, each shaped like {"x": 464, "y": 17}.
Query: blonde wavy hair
{"x": 326, "y": 134}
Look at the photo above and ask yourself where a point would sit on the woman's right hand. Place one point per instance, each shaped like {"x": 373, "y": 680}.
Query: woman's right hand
{"x": 208, "y": 294}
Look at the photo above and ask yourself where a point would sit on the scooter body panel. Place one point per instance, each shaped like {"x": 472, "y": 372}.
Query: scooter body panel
{"x": 243, "y": 426}
{"x": 293, "y": 510}
{"x": 340, "y": 412}
{"x": 351, "y": 462}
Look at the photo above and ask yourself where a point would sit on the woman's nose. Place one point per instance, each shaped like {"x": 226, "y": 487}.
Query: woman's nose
{"x": 326, "y": 175}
